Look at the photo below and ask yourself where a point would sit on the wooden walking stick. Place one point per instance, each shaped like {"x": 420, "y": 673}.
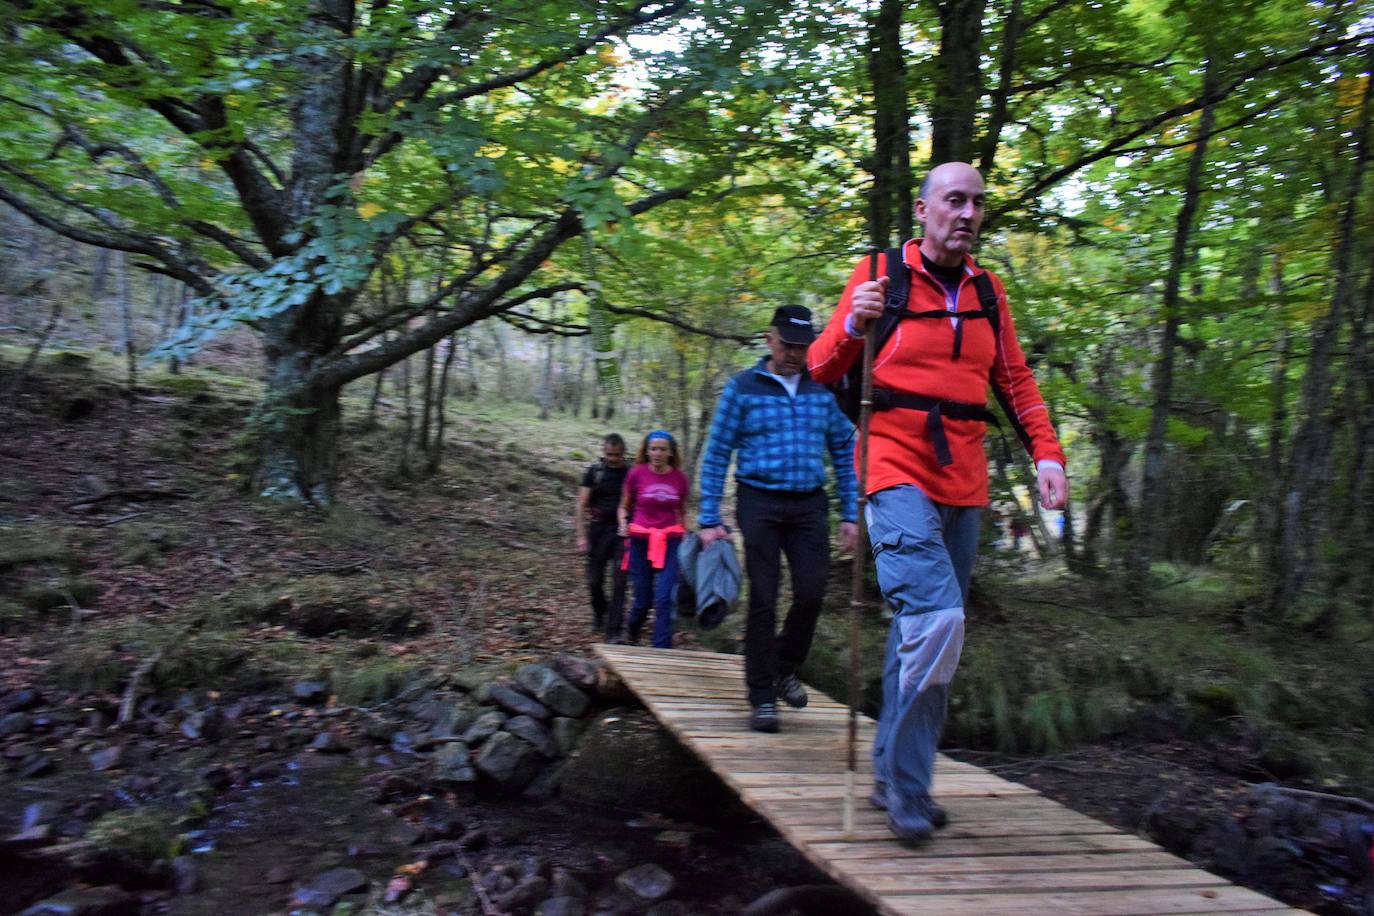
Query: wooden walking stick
{"x": 857, "y": 592}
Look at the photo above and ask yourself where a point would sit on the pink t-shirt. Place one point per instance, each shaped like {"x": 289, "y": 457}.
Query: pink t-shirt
{"x": 656, "y": 500}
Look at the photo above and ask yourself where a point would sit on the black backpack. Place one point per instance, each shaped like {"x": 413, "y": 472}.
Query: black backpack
{"x": 849, "y": 390}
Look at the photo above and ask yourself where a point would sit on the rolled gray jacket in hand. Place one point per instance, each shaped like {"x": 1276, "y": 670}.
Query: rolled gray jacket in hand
{"x": 708, "y": 576}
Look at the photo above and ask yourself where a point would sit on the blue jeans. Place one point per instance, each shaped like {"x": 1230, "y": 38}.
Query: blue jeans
{"x": 657, "y": 583}
{"x": 924, "y": 555}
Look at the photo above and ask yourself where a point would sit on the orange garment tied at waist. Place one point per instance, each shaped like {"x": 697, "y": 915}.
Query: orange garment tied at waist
{"x": 658, "y": 543}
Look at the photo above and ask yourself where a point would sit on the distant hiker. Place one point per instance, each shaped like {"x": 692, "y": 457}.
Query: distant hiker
{"x": 782, "y": 425}
{"x": 598, "y": 534}
{"x": 653, "y": 507}
{"x": 927, "y": 474}
{"x": 1019, "y": 529}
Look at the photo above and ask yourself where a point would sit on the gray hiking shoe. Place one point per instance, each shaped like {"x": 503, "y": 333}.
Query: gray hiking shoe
{"x": 792, "y": 691}
{"x": 934, "y": 811}
{"x": 764, "y": 718}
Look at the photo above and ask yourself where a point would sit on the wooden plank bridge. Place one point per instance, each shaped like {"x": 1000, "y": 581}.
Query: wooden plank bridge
{"x": 1006, "y": 850}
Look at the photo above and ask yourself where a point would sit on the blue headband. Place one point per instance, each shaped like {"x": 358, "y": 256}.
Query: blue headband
{"x": 659, "y": 434}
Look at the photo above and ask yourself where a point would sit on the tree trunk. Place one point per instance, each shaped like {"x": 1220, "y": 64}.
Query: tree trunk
{"x": 498, "y": 336}
{"x": 126, "y": 320}
{"x": 890, "y": 197}
{"x": 1149, "y": 534}
{"x": 958, "y": 80}
{"x": 1303, "y": 523}
{"x": 299, "y": 419}
{"x": 546, "y": 389}
{"x": 436, "y": 449}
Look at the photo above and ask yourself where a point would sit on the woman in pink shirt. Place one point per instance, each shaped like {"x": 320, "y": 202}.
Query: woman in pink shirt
{"x": 653, "y": 509}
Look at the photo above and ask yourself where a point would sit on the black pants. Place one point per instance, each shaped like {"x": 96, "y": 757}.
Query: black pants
{"x": 605, "y": 546}
{"x": 775, "y": 523}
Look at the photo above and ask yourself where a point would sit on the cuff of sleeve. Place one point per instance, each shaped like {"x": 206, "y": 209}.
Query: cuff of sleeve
{"x": 1044, "y": 463}
{"x": 849, "y": 328}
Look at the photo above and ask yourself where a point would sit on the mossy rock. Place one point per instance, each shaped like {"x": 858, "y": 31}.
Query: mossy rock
{"x": 90, "y": 669}
{"x": 185, "y": 385}
{"x": 41, "y": 596}
{"x": 374, "y": 682}
{"x": 318, "y": 606}
{"x": 13, "y": 616}
{"x": 1211, "y": 702}
{"x": 143, "y": 835}
{"x": 39, "y": 545}
{"x": 143, "y": 545}
{"x": 210, "y": 660}
{"x": 68, "y": 362}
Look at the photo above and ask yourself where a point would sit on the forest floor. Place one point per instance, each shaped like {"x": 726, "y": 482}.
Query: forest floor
{"x": 130, "y": 546}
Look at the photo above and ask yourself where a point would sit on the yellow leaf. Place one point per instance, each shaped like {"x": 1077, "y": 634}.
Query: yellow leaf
{"x": 369, "y": 210}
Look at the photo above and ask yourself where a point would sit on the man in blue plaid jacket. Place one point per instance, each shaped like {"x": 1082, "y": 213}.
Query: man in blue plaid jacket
{"x": 781, "y": 424}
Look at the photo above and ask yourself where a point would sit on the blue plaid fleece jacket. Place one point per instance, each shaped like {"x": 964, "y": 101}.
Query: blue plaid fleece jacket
{"x": 781, "y": 441}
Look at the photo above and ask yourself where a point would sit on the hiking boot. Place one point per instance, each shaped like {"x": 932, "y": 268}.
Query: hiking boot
{"x": 934, "y": 811}
{"x": 911, "y": 829}
{"x": 764, "y": 718}
{"x": 792, "y": 691}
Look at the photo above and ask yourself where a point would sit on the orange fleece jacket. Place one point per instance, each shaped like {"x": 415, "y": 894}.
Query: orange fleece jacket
{"x": 917, "y": 359}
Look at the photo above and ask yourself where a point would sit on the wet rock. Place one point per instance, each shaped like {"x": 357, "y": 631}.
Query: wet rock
{"x": 106, "y": 759}
{"x": 545, "y": 785}
{"x": 396, "y": 786}
{"x": 667, "y": 908}
{"x": 647, "y": 882}
{"x": 310, "y": 691}
{"x": 562, "y": 906}
{"x": 265, "y": 772}
{"x": 580, "y": 672}
{"x": 15, "y": 723}
{"x": 517, "y": 704}
{"x": 533, "y": 731}
{"x": 379, "y": 731}
{"x": 185, "y": 875}
{"x": 508, "y": 761}
{"x": 553, "y": 690}
{"x": 563, "y": 883}
{"x": 566, "y": 731}
{"x": 26, "y": 839}
{"x": 264, "y": 744}
{"x": 626, "y": 761}
{"x": 20, "y": 700}
{"x": 218, "y": 776}
{"x": 91, "y": 901}
{"x": 442, "y": 825}
{"x": 487, "y": 724}
{"x": 329, "y": 742}
{"x": 448, "y": 719}
{"x": 614, "y": 902}
{"x": 36, "y": 765}
{"x": 525, "y": 894}
{"x": 279, "y": 874}
{"x": 453, "y": 764}
{"x": 499, "y": 881}
{"x": 404, "y": 833}
{"x": 475, "y": 840}
{"x": 39, "y": 812}
{"x": 207, "y": 724}
{"x": 326, "y": 888}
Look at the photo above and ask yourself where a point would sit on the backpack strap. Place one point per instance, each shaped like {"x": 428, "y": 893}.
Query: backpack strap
{"x": 987, "y": 297}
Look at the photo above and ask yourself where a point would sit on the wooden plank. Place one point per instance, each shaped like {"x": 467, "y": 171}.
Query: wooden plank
{"x": 1007, "y": 864}
{"x": 1006, "y": 850}
{"x": 1089, "y": 903}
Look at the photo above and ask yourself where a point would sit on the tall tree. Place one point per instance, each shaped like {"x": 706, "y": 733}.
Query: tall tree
{"x": 270, "y": 155}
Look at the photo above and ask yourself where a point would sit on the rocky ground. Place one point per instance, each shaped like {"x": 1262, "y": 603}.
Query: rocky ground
{"x": 213, "y": 705}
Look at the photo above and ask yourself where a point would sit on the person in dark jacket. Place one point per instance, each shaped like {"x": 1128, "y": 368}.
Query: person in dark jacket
{"x": 781, "y": 425}
{"x": 598, "y": 534}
